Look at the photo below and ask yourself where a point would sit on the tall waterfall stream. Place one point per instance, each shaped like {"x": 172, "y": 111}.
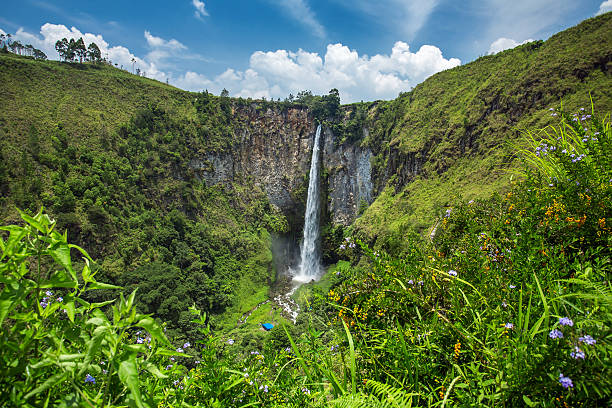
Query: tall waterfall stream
{"x": 310, "y": 263}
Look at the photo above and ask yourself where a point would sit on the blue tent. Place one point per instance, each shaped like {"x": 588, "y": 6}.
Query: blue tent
{"x": 267, "y": 326}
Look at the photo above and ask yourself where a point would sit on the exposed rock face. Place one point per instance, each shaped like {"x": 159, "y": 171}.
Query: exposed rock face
{"x": 274, "y": 149}
{"x": 349, "y": 179}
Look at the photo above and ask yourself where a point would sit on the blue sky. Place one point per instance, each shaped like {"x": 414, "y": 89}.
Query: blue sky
{"x": 368, "y": 49}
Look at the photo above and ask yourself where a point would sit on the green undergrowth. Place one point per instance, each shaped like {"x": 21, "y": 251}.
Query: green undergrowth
{"x": 509, "y": 305}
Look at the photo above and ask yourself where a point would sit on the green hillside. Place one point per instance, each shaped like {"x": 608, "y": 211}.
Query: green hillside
{"x": 458, "y": 124}
{"x": 126, "y": 290}
{"x": 107, "y": 153}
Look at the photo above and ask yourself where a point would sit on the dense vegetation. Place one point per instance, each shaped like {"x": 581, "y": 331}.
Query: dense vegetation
{"x": 510, "y": 305}
{"x": 505, "y": 302}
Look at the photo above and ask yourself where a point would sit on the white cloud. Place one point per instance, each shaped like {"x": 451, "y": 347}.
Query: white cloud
{"x": 162, "y": 50}
{"x": 200, "y": 8}
{"x": 605, "y": 7}
{"x": 301, "y": 11}
{"x": 119, "y": 55}
{"x": 503, "y": 43}
{"x": 271, "y": 74}
{"x": 275, "y": 74}
{"x": 407, "y": 17}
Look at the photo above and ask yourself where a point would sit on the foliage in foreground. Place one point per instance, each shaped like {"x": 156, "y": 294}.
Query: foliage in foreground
{"x": 510, "y": 305}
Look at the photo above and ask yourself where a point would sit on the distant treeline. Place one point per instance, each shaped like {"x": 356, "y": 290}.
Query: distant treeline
{"x": 7, "y": 44}
{"x": 74, "y": 50}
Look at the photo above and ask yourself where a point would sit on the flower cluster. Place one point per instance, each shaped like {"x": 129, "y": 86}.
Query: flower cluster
{"x": 48, "y": 299}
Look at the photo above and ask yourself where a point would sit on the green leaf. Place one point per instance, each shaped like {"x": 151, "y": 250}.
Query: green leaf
{"x": 100, "y": 285}
{"x": 16, "y": 234}
{"x": 5, "y": 307}
{"x": 529, "y": 402}
{"x": 152, "y": 368}
{"x": 93, "y": 345}
{"x": 70, "y": 357}
{"x": 352, "y": 357}
{"x": 153, "y": 328}
{"x": 69, "y": 308}
{"x": 86, "y": 273}
{"x": 59, "y": 280}
{"x": 128, "y": 374}
{"x": 96, "y": 321}
{"x": 33, "y": 222}
{"x": 52, "y": 381}
{"x": 167, "y": 352}
{"x": 61, "y": 255}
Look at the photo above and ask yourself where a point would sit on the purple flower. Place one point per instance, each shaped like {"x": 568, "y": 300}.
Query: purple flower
{"x": 555, "y": 334}
{"x": 49, "y": 293}
{"x": 504, "y": 304}
{"x": 197, "y": 361}
{"x": 333, "y": 348}
{"x": 448, "y": 213}
{"x": 89, "y": 378}
{"x": 587, "y": 340}
{"x": 566, "y": 382}
{"x": 187, "y": 345}
{"x": 452, "y": 272}
{"x": 342, "y": 246}
{"x": 509, "y": 326}
{"x": 60, "y": 299}
{"x": 230, "y": 341}
{"x": 179, "y": 350}
{"x": 577, "y": 353}
{"x": 411, "y": 282}
{"x": 44, "y": 302}
{"x": 352, "y": 245}
{"x": 566, "y": 321}
{"x": 140, "y": 340}
{"x": 169, "y": 366}
{"x": 255, "y": 352}
{"x": 175, "y": 382}
{"x": 512, "y": 286}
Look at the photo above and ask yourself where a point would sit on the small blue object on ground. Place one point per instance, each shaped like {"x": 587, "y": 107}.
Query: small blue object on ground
{"x": 267, "y": 326}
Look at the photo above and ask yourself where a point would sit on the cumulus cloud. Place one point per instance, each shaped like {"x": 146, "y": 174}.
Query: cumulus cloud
{"x": 119, "y": 55}
{"x": 605, "y": 7}
{"x": 301, "y": 11}
{"x": 200, "y": 8}
{"x": 163, "y": 52}
{"x": 503, "y": 43}
{"x": 271, "y": 74}
{"x": 275, "y": 74}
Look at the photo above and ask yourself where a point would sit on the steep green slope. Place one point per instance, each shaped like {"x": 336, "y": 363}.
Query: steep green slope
{"x": 108, "y": 154}
{"x": 450, "y": 136}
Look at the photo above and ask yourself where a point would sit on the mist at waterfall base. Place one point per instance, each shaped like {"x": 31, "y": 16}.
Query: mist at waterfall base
{"x": 310, "y": 264}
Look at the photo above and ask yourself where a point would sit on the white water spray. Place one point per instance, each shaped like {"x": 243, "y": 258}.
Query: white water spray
{"x": 309, "y": 254}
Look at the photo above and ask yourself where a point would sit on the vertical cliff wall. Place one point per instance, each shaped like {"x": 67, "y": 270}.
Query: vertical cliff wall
{"x": 273, "y": 149}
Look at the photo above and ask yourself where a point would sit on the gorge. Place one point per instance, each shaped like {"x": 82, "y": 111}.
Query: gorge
{"x": 152, "y": 178}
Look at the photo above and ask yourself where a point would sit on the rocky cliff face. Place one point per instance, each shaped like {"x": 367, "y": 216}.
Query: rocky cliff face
{"x": 350, "y": 187}
{"x": 274, "y": 149}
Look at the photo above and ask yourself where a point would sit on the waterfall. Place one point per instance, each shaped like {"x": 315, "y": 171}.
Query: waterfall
{"x": 309, "y": 254}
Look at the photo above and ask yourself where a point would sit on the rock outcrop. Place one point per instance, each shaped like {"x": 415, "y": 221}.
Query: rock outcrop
{"x": 273, "y": 149}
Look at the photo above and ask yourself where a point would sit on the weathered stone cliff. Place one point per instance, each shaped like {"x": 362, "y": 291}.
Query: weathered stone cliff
{"x": 273, "y": 148}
